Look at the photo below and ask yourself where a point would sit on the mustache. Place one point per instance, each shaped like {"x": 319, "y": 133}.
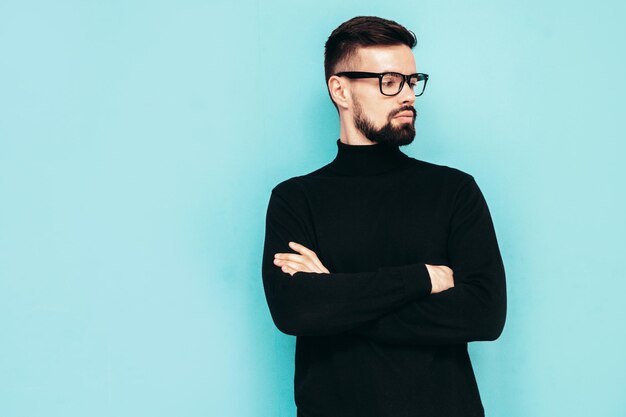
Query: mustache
{"x": 404, "y": 108}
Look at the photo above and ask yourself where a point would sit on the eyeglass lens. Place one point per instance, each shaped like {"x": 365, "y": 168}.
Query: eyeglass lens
{"x": 391, "y": 84}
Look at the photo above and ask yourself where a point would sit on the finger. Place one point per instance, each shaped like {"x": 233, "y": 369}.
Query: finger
{"x": 303, "y": 259}
{"x": 284, "y": 265}
{"x": 288, "y": 270}
{"x": 300, "y": 248}
{"x": 311, "y": 261}
{"x": 289, "y": 264}
{"x": 290, "y": 257}
{"x": 305, "y": 266}
{"x": 319, "y": 267}
{"x": 297, "y": 266}
{"x": 299, "y": 259}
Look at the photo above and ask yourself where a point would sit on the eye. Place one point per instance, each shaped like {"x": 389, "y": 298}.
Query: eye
{"x": 391, "y": 80}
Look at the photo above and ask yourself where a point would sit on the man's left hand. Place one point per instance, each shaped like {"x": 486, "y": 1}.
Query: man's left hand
{"x": 307, "y": 261}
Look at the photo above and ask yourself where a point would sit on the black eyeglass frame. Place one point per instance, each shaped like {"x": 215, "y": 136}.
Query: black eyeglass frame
{"x": 380, "y": 75}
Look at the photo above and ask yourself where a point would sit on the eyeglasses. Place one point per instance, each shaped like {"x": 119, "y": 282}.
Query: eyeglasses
{"x": 391, "y": 83}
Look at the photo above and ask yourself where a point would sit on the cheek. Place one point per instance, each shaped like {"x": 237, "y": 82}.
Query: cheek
{"x": 376, "y": 110}
{"x": 385, "y": 111}
{"x": 380, "y": 111}
{"x": 380, "y": 116}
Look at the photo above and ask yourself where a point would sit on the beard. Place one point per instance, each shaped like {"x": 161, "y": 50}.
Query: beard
{"x": 388, "y": 134}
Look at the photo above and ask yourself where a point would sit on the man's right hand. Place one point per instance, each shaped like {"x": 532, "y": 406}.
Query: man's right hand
{"x": 441, "y": 278}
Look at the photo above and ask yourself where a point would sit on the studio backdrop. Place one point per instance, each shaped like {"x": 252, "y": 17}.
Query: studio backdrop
{"x": 140, "y": 141}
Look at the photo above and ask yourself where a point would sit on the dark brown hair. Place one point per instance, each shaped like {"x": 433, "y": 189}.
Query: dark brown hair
{"x": 362, "y": 31}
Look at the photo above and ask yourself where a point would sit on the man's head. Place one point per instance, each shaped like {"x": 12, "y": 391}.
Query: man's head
{"x": 370, "y": 105}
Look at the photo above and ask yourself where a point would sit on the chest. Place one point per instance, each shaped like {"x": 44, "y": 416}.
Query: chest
{"x": 362, "y": 225}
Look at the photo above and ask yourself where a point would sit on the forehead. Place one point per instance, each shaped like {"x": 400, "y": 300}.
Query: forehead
{"x": 382, "y": 58}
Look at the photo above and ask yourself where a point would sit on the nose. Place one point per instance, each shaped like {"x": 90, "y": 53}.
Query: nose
{"x": 406, "y": 95}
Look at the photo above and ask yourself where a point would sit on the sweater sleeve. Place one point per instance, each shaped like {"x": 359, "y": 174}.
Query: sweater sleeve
{"x": 475, "y": 308}
{"x": 312, "y": 304}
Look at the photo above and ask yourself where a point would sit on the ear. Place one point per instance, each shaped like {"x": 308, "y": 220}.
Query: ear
{"x": 339, "y": 91}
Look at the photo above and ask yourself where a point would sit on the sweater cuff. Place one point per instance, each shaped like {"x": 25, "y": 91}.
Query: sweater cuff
{"x": 416, "y": 280}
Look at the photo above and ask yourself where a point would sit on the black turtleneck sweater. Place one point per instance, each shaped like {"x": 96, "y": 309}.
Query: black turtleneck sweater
{"x": 371, "y": 339}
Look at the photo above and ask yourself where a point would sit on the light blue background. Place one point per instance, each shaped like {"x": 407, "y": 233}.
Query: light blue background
{"x": 139, "y": 142}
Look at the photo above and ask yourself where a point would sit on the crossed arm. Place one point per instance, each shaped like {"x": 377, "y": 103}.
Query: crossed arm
{"x": 411, "y": 304}
{"x": 441, "y": 276}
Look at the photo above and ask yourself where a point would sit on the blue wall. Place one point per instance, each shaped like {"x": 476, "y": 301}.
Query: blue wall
{"x": 139, "y": 142}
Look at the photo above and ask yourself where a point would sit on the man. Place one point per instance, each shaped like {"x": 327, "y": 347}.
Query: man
{"x": 383, "y": 266}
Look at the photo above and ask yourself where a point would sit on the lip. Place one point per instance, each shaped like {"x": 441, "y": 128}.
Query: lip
{"x": 405, "y": 119}
{"x": 404, "y": 114}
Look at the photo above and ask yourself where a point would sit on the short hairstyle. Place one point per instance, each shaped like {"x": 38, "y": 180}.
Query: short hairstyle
{"x": 361, "y": 31}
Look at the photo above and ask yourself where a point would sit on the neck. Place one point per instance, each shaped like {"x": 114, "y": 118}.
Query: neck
{"x": 354, "y": 160}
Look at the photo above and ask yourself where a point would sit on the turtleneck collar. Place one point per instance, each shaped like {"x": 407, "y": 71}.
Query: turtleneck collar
{"x": 367, "y": 159}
